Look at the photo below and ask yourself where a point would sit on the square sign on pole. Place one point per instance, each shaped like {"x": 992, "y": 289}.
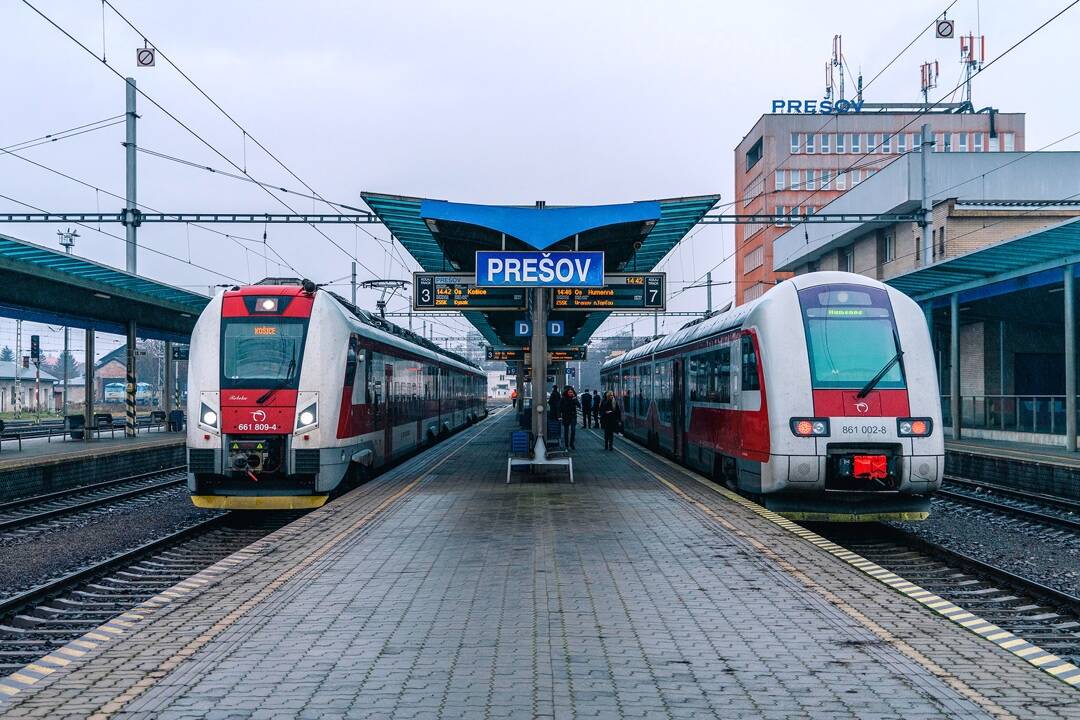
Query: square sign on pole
{"x": 522, "y": 328}
{"x": 556, "y": 328}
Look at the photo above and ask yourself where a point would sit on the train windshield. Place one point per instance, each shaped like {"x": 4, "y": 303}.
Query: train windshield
{"x": 261, "y": 352}
{"x": 851, "y": 336}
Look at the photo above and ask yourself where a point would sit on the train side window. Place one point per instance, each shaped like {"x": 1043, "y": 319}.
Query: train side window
{"x": 749, "y": 365}
{"x": 724, "y": 374}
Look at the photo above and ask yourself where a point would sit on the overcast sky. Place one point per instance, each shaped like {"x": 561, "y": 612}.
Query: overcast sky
{"x": 499, "y": 102}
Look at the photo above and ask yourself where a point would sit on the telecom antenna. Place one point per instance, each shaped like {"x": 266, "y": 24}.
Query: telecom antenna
{"x": 837, "y": 62}
{"x": 928, "y": 79}
{"x": 972, "y": 55}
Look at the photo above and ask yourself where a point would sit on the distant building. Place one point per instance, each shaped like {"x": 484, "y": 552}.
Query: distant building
{"x": 798, "y": 163}
{"x": 499, "y": 384}
{"x": 34, "y": 397}
{"x": 1003, "y": 254}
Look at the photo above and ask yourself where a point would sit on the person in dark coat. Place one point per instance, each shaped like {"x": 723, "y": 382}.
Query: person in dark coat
{"x": 610, "y": 417}
{"x": 586, "y": 409}
{"x": 569, "y": 408}
{"x": 596, "y": 409}
{"x": 554, "y": 405}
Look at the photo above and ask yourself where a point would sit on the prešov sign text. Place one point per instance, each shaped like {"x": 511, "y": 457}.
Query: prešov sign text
{"x": 512, "y": 268}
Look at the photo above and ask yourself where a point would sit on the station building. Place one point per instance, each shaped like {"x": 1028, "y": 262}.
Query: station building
{"x": 791, "y": 163}
{"x": 997, "y": 284}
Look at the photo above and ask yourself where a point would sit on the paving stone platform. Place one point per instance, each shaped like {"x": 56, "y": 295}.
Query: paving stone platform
{"x": 438, "y": 591}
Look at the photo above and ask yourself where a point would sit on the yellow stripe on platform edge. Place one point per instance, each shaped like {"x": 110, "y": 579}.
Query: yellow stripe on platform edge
{"x": 259, "y": 502}
{"x": 1047, "y": 662}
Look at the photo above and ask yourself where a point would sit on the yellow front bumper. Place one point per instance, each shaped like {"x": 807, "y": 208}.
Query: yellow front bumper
{"x": 259, "y": 502}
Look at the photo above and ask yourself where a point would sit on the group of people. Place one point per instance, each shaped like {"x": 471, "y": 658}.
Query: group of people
{"x": 595, "y": 412}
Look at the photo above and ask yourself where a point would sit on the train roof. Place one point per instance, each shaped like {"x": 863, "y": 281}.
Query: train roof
{"x": 731, "y": 319}
{"x": 401, "y": 334}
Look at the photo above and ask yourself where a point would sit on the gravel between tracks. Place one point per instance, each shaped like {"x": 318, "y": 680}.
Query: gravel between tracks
{"x": 1046, "y": 555}
{"x": 30, "y": 561}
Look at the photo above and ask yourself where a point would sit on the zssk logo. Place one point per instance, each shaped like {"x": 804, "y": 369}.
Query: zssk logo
{"x": 862, "y": 407}
{"x": 258, "y": 416}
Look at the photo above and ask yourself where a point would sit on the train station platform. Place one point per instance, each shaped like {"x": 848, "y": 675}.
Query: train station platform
{"x": 1045, "y": 469}
{"x": 438, "y": 591}
{"x": 42, "y": 466}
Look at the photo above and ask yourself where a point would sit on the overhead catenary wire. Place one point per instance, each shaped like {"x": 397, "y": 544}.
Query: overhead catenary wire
{"x": 117, "y": 237}
{"x": 64, "y": 134}
{"x": 190, "y": 130}
{"x": 246, "y": 133}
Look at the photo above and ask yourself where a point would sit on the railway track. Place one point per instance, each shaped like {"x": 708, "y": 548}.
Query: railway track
{"x": 1040, "y": 614}
{"x": 1030, "y": 507}
{"x": 43, "y": 509}
{"x": 43, "y": 618}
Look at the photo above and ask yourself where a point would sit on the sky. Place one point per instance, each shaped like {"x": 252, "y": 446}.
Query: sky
{"x": 495, "y": 102}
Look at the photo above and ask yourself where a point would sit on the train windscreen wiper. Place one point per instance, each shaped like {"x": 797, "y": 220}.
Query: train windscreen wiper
{"x": 881, "y": 373}
{"x": 282, "y": 383}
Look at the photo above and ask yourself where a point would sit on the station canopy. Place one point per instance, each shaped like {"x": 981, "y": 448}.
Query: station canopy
{"x": 445, "y": 236}
{"x": 47, "y": 286}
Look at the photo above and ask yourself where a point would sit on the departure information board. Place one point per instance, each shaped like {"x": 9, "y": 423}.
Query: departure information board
{"x": 566, "y": 354}
{"x": 458, "y": 291}
{"x": 621, "y": 291}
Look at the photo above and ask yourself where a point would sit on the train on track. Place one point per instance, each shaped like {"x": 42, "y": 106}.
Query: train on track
{"x": 294, "y": 391}
{"x": 819, "y": 399}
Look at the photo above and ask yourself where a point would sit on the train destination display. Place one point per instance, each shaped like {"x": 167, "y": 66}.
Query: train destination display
{"x": 458, "y": 291}
{"x": 621, "y": 291}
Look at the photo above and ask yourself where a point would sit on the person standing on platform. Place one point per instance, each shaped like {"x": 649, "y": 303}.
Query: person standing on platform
{"x": 610, "y": 417}
{"x": 554, "y": 405}
{"x": 513, "y": 398}
{"x": 586, "y": 409}
{"x": 569, "y": 408}
{"x": 595, "y": 409}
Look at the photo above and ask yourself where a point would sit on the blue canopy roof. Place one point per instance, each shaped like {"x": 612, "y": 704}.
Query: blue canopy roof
{"x": 443, "y": 235}
{"x": 1031, "y": 253}
{"x": 49, "y": 286}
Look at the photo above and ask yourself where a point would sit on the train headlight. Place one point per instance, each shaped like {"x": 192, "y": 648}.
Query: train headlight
{"x": 308, "y": 416}
{"x": 208, "y": 416}
{"x": 914, "y": 427}
{"x": 810, "y": 427}
{"x": 269, "y": 304}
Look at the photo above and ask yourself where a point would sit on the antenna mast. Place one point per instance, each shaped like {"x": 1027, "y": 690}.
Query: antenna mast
{"x": 929, "y": 77}
{"x": 972, "y": 55}
{"x": 834, "y": 63}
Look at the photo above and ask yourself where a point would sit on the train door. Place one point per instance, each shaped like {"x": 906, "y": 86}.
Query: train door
{"x": 678, "y": 405}
{"x": 388, "y": 429}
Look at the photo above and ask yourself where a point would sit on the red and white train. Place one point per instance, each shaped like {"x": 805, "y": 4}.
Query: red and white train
{"x": 292, "y": 390}
{"x": 819, "y": 399}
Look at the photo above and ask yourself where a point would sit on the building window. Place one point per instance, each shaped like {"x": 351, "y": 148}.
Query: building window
{"x": 780, "y": 213}
{"x": 941, "y": 241}
{"x": 977, "y": 143}
{"x": 856, "y": 177}
{"x": 939, "y": 142}
{"x": 825, "y": 143}
{"x": 840, "y": 142}
{"x": 847, "y": 259}
{"x": 916, "y": 143}
{"x": 753, "y": 155}
{"x": 754, "y": 259}
{"x": 780, "y": 179}
{"x": 963, "y": 142}
{"x": 794, "y": 143}
{"x": 888, "y": 247}
{"x": 754, "y": 292}
{"x": 1008, "y": 142}
{"x": 856, "y": 147}
{"x": 841, "y": 181}
{"x": 901, "y": 143}
{"x": 993, "y": 143}
{"x": 886, "y": 143}
{"x": 953, "y": 143}
{"x": 871, "y": 142}
{"x": 810, "y": 144}
{"x": 796, "y": 179}
{"x": 809, "y": 180}
{"x": 826, "y": 180}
